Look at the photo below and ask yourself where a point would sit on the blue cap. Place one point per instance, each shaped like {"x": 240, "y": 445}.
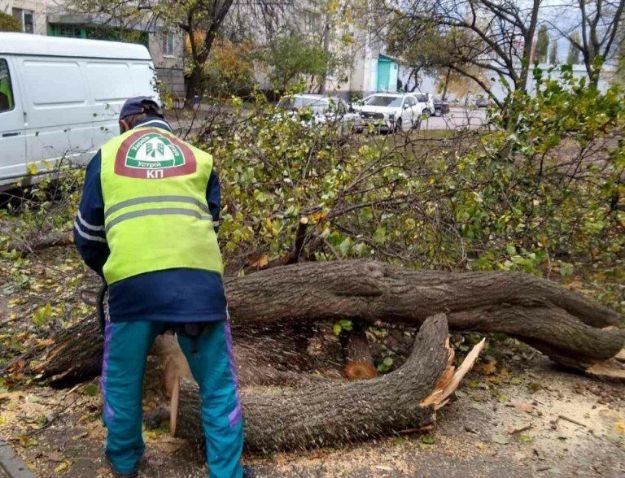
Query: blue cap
{"x": 138, "y": 105}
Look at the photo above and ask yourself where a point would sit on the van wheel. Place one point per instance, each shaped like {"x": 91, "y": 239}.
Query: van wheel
{"x": 427, "y": 113}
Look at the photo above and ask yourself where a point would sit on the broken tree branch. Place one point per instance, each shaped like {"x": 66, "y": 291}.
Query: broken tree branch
{"x": 331, "y": 412}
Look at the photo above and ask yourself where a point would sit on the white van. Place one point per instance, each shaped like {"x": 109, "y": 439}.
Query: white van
{"x": 60, "y": 98}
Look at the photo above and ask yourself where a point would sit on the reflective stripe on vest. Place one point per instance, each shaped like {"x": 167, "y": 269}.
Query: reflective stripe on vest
{"x": 155, "y": 212}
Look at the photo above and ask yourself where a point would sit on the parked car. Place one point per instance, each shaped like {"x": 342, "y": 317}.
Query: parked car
{"x": 441, "y": 107}
{"x": 482, "y": 102}
{"x": 60, "y": 99}
{"x": 323, "y": 109}
{"x": 426, "y": 102}
{"x": 391, "y": 111}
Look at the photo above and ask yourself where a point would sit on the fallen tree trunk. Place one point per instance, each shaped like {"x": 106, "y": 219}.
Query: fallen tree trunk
{"x": 330, "y": 412}
{"x": 38, "y": 243}
{"x": 565, "y": 325}
{"x": 74, "y": 356}
{"x": 571, "y": 329}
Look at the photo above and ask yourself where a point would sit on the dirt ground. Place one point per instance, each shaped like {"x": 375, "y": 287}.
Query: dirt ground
{"x": 516, "y": 417}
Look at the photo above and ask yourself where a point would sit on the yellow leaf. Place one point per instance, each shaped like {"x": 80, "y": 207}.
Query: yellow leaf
{"x": 63, "y": 467}
{"x": 317, "y": 216}
{"x": 258, "y": 261}
{"x": 619, "y": 427}
{"x": 32, "y": 168}
{"x": 488, "y": 368}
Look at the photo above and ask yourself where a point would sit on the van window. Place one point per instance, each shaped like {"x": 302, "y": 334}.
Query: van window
{"x": 6, "y": 92}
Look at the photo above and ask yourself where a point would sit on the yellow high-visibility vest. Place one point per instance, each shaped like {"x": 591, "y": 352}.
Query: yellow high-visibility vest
{"x": 156, "y": 216}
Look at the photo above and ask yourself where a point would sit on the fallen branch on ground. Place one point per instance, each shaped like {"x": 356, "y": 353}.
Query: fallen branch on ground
{"x": 330, "y": 412}
{"x": 41, "y": 242}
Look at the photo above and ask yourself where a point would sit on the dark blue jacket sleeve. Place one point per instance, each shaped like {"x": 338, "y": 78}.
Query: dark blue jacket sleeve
{"x": 213, "y": 198}
{"x": 89, "y": 235}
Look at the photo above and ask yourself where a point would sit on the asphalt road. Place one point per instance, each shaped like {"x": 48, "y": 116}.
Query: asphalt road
{"x": 457, "y": 118}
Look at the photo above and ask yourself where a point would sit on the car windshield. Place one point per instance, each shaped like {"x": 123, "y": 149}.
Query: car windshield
{"x": 422, "y": 98}
{"x": 318, "y": 105}
{"x": 392, "y": 101}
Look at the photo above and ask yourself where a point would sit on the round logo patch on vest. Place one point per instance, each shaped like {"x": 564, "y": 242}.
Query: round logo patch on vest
{"x": 151, "y": 154}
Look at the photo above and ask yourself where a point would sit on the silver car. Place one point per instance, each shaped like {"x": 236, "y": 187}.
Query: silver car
{"x": 324, "y": 110}
{"x": 393, "y": 112}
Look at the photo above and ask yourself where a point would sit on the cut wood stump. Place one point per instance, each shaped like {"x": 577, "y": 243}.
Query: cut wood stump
{"x": 357, "y": 354}
{"x": 328, "y": 412}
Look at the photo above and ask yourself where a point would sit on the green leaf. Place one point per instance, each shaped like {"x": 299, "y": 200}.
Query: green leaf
{"x": 346, "y": 324}
{"x": 42, "y": 314}
{"x": 500, "y": 439}
{"x": 379, "y": 236}
{"x": 566, "y": 269}
{"x": 91, "y": 389}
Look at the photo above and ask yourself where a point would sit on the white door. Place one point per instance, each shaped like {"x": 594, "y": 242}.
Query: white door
{"x": 408, "y": 113}
{"x": 12, "y": 138}
{"x": 58, "y": 115}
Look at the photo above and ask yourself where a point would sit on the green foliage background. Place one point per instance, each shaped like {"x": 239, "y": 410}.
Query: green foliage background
{"x": 546, "y": 197}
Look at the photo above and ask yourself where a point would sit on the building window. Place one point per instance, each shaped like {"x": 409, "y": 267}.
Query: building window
{"x": 168, "y": 44}
{"x": 311, "y": 22}
{"x": 66, "y": 30}
{"x": 70, "y": 31}
{"x": 26, "y": 19}
{"x": 6, "y": 92}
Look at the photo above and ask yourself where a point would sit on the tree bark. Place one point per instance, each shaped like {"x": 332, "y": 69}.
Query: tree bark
{"x": 565, "y": 325}
{"x": 330, "y": 412}
{"x": 571, "y": 329}
{"x": 74, "y": 356}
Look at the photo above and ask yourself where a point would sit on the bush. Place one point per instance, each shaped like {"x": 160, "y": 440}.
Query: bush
{"x": 230, "y": 70}
{"x": 540, "y": 199}
{"x": 8, "y": 23}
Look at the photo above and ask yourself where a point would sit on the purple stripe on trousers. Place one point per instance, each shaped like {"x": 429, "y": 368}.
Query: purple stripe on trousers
{"x": 235, "y": 415}
{"x": 108, "y": 334}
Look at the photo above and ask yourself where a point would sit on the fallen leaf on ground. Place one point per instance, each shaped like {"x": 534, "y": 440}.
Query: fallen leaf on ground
{"x": 63, "y": 467}
{"x": 488, "y": 368}
{"x": 500, "y": 439}
{"x": 522, "y": 406}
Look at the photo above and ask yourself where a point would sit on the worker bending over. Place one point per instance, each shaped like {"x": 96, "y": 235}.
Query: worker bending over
{"x": 147, "y": 224}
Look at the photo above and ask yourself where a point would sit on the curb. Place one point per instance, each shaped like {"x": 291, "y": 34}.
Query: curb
{"x": 11, "y": 466}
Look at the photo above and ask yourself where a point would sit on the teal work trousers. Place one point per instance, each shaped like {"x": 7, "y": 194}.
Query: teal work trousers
{"x": 126, "y": 345}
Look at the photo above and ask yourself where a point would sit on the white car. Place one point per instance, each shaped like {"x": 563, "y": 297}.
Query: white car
{"x": 425, "y": 101}
{"x": 324, "y": 109}
{"x": 391, "y": 111}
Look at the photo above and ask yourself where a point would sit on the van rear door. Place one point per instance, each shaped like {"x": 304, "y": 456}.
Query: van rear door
{"x": 12, "y": 138}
